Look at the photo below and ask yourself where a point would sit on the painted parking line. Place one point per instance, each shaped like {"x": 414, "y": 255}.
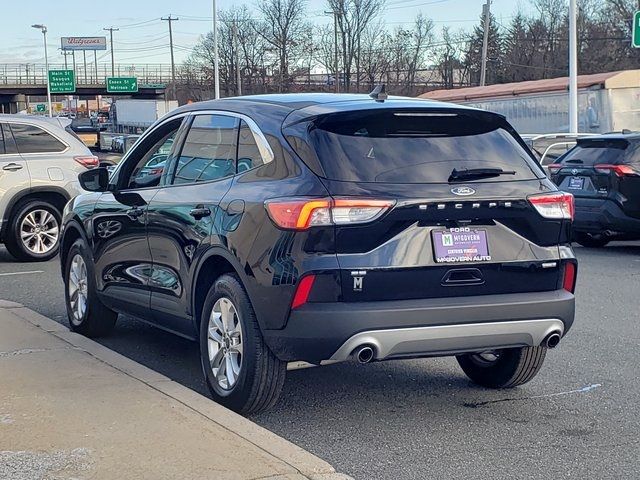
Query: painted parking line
{"x": 20, "y": 273}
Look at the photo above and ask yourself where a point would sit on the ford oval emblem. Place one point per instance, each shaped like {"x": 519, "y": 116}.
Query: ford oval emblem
{"x": 463, "y": 191}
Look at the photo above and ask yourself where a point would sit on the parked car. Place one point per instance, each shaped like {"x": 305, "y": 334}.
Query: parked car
{"x": 548, "y": 147}
{"x": 322, "y": 228}
{"x": 603, "y": 173}
{"x": 39, "y": 166}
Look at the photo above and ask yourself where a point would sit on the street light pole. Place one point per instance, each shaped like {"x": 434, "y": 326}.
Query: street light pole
{"x": 573, "y": 68}
{"x": 216, "y": 75}
{"x": 43, "y": 29}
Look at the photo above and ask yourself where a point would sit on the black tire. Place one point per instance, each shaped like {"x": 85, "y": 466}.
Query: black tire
{"x": 590, "y": 240}
{"x": 261, "y": 375}
{"x": 97, "y": 320}
{"x": 14, "y": 242}
{"x": 512, "y": 367}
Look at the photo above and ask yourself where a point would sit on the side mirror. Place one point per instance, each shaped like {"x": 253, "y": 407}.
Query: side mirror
{"x": 95, "y": 180}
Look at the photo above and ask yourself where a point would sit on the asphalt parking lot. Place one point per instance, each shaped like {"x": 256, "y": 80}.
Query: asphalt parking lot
{"x": 417, "y": 419}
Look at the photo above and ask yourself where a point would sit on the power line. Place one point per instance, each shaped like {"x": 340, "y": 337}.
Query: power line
{"x": 169, "y": 19}
{"x": 111, "y": 30}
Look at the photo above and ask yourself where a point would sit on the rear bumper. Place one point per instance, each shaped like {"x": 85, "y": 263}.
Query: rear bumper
{"x": 331, "y": 331}
{"x": 598, "y": 215}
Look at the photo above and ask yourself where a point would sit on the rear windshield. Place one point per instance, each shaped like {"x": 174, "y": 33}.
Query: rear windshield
{"x": 408, "y": 147}
{"x": 594, "y": 152}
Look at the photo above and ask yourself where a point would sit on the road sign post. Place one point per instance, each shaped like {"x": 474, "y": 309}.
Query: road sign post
{"x": 635, "y": 40}
{"x": 62, "y": 81}
{"x": 122, "y": 84}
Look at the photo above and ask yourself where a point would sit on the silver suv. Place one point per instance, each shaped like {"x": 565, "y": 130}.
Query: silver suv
{"x": 40, "y": 160}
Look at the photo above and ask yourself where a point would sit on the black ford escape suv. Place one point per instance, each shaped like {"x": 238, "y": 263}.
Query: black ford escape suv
{"x": 325, "y": 227}
{"x": 603, "y": 173}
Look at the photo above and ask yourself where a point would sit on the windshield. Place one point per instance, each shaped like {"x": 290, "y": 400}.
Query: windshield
{"x": 411, "y": 147}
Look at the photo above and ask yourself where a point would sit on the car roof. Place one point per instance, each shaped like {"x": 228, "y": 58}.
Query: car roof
{"x": 285, "y": 103}
{"x": 55, "y": 122}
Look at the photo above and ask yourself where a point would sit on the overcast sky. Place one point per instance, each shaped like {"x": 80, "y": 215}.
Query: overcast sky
{"x": 143, "y": 38}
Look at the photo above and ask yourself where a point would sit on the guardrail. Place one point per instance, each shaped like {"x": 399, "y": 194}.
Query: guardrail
{"x": 35, "y": 74}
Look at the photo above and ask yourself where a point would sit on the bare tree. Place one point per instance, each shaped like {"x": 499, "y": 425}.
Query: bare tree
{"x": 282, "y": 27}
{"x": 353, "y": 17}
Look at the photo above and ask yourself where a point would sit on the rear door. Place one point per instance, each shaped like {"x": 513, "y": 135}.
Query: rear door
{"x": 444, "y": 236}
{"x": 602, "y": 169}
{"x": 184, "y": 215}
{"x": 14, "y": 172}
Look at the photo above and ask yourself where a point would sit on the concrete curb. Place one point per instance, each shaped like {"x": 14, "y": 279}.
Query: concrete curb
{"x": 304, "y": 462}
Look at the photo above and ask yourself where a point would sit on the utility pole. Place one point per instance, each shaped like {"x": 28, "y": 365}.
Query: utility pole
{"x": 237, "y": 48}
{"x": 335, "y": 48}
{"x": 216, "y": 60}
{"x": 111, "y": 30}
{"x": 486, "y": 11}
{"x": 573, "y": 67}
{"x": 173, "y": 66}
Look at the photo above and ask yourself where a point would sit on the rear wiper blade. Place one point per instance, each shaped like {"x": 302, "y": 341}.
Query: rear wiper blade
{"x": 473, "y": 173}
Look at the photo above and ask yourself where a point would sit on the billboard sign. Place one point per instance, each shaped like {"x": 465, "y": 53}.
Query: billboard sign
{"x": 83, "y": 43}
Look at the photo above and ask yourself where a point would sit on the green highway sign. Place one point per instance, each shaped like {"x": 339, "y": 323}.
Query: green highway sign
{"x": 62, "y": 81}
{"x": 41, "y": 107}
{"x": 122, "y": 84}
{"x": 635, "y": 41}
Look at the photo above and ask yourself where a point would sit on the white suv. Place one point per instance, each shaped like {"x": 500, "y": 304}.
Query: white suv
{"x": 40, "y": 161}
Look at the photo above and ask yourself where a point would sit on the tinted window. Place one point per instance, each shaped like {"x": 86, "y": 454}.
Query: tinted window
{"x": 593, "y": 152}
{"x": 411, "y": 147}
{"x": 248, "y": 152}
{"x": 209, "y": 151}
{"x": 32, "y": 139}
{"x": 1, "y": 141}
{"x": 9, "y": 144}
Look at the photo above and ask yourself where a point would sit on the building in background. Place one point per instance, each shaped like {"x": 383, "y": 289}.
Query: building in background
{"x": 606, "y": 102}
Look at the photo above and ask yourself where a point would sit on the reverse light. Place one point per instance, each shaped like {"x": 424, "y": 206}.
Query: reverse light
{"x": 557, "y": 205}
{"x": 88, "y": 161}
{"x": 302, "y": 292}
{"x": 569, "y": 280}
{"x": 619, "y": 170}
{"x": 300, "y": 214}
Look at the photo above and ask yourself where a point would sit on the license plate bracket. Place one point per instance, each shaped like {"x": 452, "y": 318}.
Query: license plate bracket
{"x": 576, "y": 183}
{"x": 460, "y": 245}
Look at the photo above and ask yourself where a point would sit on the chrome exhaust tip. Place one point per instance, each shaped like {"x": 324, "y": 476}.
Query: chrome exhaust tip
{"x": 363, "y": 354}
{"x": 552, "y": 340}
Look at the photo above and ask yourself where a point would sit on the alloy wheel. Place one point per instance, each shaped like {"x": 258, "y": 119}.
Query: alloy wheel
{"x": 224, "y": 343}
{"x": 39, "y": 231}
{"x": 486, "y": 358}
{"x": 77, "y": 289}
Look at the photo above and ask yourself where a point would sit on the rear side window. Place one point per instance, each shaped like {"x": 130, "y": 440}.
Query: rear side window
{"x": 248, "y": 152}
{"x": 209, "y": 151}
{"x": 594, "y": 152}
{"x": 1, "y": 141}
{"x": 409, "y": 147}
{"x": 32, "y": 139}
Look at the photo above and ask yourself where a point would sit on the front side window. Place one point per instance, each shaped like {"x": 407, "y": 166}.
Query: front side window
{"x": 32, "y": 139}
{"x": 209, "y": 150}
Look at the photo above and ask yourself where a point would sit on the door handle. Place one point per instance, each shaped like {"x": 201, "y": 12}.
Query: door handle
{"x": 200, "y": 212}
{"x": 134, "y": 213}
{"x": 12, "y": 167}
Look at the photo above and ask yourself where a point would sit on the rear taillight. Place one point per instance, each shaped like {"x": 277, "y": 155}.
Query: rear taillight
{"x": 569, "y": 280}
{"x": 619, "y": 170}
{"x": 88, "y": 161}
{"x": 300, "y": 214}
{"x": 554, "y": 168}
{"x": 554, "y": 205}
{"x": 302, "y": 292}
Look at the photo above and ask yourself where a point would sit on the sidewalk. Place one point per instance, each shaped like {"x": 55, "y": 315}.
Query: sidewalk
{"x": 73, "y": 409}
